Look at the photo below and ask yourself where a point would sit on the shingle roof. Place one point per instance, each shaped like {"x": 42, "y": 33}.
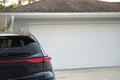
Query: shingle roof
{"x": 69, "y": 6}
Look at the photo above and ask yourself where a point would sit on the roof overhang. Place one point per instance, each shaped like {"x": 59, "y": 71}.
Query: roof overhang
{"x": 110, "y": 0}
{"x": 64, "y": 15}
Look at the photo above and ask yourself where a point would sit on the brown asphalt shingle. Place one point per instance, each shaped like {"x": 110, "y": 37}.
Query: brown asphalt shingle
{"x": 69, "y": 6}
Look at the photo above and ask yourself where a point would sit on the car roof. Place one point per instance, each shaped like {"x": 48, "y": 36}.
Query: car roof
{"x": 18, "y": 34}
{"x": 13, "y": 34}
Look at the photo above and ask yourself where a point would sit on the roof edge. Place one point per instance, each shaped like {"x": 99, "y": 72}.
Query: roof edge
{"x": 65, "y": 15}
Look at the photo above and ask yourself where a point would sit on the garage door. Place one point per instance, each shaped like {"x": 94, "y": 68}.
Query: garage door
{"x": 80, "y": 45}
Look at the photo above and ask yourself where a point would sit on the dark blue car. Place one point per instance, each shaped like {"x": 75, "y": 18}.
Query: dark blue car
{"x": 22, "y": 58}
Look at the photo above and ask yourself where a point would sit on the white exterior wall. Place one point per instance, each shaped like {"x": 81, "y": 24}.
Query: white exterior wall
{"x": 25, "y": 22}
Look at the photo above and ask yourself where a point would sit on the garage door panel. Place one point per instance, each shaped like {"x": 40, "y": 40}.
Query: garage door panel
{"x": 83, "y": 45}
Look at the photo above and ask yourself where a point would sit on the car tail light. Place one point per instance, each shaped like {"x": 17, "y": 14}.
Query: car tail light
{"x": 31, "y": 60}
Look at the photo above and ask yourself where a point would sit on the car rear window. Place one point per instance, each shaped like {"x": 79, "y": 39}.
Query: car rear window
{"x": 15, "y": 41}
{"x": 14, "y": 44}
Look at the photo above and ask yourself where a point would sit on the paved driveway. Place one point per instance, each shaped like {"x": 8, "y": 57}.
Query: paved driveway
{"x": 112, "y": 73}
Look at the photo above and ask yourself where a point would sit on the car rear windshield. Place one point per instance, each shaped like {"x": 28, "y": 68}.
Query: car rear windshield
{"x": 21, "y": 44}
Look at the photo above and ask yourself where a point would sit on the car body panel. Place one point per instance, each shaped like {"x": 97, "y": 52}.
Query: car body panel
{"x": 26, "y": 60}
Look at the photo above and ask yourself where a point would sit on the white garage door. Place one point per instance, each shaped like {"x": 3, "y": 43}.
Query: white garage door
{"x": 80, "y": 45}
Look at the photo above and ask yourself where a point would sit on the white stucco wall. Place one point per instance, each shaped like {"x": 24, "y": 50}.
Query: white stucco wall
{"x": 25, "y": 22}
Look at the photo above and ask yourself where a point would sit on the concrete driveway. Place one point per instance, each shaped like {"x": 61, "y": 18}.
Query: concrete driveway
{"x": 112, "y": 73}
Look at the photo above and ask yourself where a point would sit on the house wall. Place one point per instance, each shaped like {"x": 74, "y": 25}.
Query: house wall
{"x": 25, "y": 23}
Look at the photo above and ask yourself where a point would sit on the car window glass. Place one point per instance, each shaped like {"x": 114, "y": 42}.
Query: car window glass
{"x": 10, "y": 42}
{"x": 19, "y": 44}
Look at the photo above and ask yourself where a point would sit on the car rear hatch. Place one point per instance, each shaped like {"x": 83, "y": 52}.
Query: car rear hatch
{"x": 19, "y": 56}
